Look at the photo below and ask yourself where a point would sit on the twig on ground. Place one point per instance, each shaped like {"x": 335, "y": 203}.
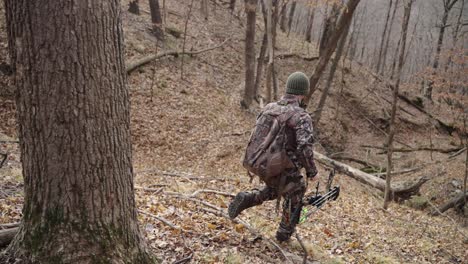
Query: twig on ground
{"x": 303, "y": 248}
{"x": 194, "y": 194}
{"x": 218, "y": 212}
{"x": 186, "y": 175}
{"x": 9, "y": 141}
{"x": 154, "y": 190}
{"x": 184, "y": 259}
{"x": 5, "y": 156}
{"x": 162, "y": 219}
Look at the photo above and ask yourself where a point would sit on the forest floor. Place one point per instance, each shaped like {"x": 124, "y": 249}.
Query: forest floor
{"x": 189, "y": 134}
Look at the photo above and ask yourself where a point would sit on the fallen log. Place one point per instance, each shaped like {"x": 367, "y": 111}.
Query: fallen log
{"x": 458, "y": 201}
{"x": 295, "y": 55}
{"x": 140, "y": 62}
{"x": 421, "y": 148}
{"x": 7, "y": 235}
{"x": 400, "y": 190}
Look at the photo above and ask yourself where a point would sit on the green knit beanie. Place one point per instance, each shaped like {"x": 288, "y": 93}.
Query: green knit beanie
{"x": 297, "y": 84}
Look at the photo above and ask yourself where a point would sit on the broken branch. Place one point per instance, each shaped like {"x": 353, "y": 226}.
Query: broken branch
{"x": 135, "y": 64}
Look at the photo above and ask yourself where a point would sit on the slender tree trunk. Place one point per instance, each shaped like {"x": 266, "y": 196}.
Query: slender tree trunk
{"x": 249, "y": 92}
{"x": 448, "y": 4}
{"x": 387, "y": 41}
{"x": 269, "y": 69}
{"x": 134, "y": 7}
{"x": 455, "y": 35}
{"x": 156, "y": 18}
{"x": 391, "y": 134}
{"x": 326, "y": 90}
{"x": 291, "y": 15}
{"x": 328, "y": 28}
{"x": 310, "y": 24}
{"x": 382, "y": 40}
{"x": 343, "y": 22}
{"x": 74, "y": 131}
{"x": 283, "y": 17}
{"x": 394, "y": 63}
{"x": 260, "y": 64}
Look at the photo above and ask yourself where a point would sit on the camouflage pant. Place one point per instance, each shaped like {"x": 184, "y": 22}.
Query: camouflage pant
{"x": 292, "y": 193}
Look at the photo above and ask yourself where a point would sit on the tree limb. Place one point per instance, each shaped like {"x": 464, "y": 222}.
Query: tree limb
{"x": 131, "y": 66}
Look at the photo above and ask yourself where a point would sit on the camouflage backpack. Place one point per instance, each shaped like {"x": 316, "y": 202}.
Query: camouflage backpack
{"x": 265, "y": 155}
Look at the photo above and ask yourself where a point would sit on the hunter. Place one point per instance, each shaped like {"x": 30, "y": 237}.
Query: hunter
{"x": 290, "y": 184}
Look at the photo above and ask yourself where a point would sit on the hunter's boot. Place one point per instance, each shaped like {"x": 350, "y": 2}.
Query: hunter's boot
{"x": 244, "y": 200}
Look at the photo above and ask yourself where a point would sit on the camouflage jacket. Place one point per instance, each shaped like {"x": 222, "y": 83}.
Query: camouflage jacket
{"x": 299, "y": 132}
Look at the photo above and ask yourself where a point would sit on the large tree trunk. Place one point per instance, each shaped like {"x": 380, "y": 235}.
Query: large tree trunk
{"x": 455, "y": 35}
{"x": 391, "y": 133}
{"x": 74, "y": 131}
{"x": 249, "y": 92}
{"x": 326, "y": 90}
{"x": 344, "y": 20}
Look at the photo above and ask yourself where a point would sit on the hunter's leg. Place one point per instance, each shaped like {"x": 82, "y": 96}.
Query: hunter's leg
{"x": 244, "y": 200}
{"x": 292, "y": 205}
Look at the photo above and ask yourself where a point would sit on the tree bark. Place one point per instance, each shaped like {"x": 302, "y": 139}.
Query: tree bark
{"x": 326, "y": 90}
{"x": 344, "y": 20}
{"x": 249, "y": 92}
{"x": 448, "y": 4}
{"x": 283, "y": 17}
{"x": 74, "y": 131}
{"x": 134, "y": 7}
{"x": 391, "y": 134}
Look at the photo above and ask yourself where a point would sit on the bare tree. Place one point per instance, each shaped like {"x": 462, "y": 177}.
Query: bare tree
{"x": 382, "y": 39}
{"x": 329, "y": 27}
{"x": 249, "y": 92}
{"x": 448, "y": 4}
{"x": 292, "y": 9}
{"x": 326, "y": 89}
{"x": 156, "y": 18}
{"x": 341, "y": 25}
{"x": 74, "y": 131}
{"x": 310, "y": 23}
{"x": 387, "y": 41}
{"x": 456, "y": 31}
{"x": 391, "y": 134}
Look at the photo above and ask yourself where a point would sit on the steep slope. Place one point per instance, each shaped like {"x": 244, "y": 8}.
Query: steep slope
{"x": 189, "y": 134}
